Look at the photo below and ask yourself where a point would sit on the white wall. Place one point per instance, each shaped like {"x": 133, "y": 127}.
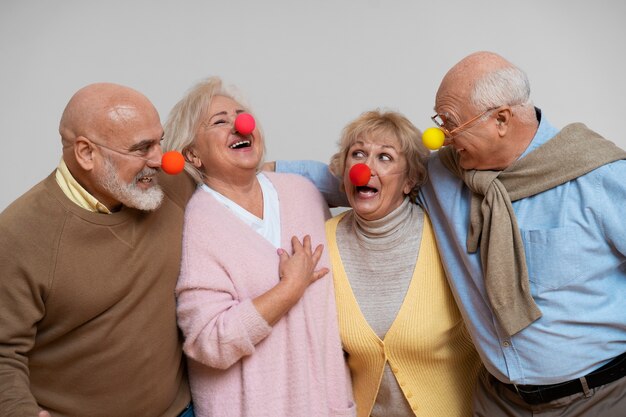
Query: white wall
{"x": 307, "y": 68}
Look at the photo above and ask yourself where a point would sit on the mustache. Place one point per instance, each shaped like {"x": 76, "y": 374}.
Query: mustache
{"x": 146, "y": 172}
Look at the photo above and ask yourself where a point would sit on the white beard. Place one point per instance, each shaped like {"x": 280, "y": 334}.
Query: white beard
{"x": 130, "y": 194}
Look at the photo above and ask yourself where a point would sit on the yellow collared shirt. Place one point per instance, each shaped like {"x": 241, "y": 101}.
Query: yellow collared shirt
{"x": 75, "y": 192}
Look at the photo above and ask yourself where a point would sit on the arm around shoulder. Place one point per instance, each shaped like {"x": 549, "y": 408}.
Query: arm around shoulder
{"x": 319, "y": 174}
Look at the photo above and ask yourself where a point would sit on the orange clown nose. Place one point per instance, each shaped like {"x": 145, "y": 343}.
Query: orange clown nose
{"x": 172, "y": 162}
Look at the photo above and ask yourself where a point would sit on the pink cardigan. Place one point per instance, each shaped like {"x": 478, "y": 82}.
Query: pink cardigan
{"x": 238, "y": 364}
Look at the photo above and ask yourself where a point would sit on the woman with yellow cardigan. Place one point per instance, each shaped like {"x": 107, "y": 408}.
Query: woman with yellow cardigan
{"x": 405, "y": 342}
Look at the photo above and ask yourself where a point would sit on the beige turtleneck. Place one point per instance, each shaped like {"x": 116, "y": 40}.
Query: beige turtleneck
{"x": 379, "y": 257}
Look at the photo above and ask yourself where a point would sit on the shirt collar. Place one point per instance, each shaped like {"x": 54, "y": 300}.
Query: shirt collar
{"x": 544, "y": 133}
{"x": 75, "y": 192}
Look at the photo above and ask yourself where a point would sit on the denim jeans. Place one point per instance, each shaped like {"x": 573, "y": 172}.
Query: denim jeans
{"x": 187, "y": 412}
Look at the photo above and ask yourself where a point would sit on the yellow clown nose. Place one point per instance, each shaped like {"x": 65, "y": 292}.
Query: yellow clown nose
{"x": 433, "y": 138}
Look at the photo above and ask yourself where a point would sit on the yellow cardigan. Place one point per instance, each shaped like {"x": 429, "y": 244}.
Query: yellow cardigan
{"x": 427, "y": 346}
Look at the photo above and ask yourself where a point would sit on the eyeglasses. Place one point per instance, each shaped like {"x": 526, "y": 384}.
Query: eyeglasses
{"x": 141, "y": 150}
{"x": 441, "y": 119}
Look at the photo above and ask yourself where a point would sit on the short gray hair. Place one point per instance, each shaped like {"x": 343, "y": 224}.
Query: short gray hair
{"x": 505, "y": 86}
{"x": 188, "y": 114}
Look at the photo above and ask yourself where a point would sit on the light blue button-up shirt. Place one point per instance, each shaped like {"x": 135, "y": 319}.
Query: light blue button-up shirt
{"x": 575, "y": 242}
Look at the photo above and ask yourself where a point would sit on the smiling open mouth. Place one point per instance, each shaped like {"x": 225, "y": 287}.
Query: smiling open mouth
{"x": 240, "y": 144}
{"x": 365, "y": 190}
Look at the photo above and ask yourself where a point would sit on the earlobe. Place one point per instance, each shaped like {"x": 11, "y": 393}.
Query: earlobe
{"x": 408, "y": 187}
{"x": 192, "y": 158}
{"x": 502, "y": 120}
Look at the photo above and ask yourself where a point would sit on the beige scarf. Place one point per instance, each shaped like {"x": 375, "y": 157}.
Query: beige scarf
{"x": 573, "y": 152}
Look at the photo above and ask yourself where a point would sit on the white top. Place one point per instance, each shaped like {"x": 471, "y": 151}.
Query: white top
{"x": 269, "y": 225}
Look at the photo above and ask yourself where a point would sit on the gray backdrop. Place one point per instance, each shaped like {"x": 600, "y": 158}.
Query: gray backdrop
{"x": 307, "y": 68}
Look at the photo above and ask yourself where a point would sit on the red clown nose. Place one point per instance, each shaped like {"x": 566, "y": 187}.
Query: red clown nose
{"x": 360, "y": 174}
{"x": 245, "y": 124}
{"x": 172, "y": 162}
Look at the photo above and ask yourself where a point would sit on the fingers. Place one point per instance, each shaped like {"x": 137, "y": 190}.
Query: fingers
{"x": 295, "y": 244}
{"x": 303, "y": 262}
{"x": 44, "y": 413}
{"x": 317, "y": 254}
{"x": 282, "y": 254}
{"x": 307, "y": 244}
{"x": 283, "y": 258}
{"x": 319, "y": 274}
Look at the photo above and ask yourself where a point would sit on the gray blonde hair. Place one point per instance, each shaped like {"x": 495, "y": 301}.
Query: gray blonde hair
{"x": 189, "y": 113}
{"x": 385, "y": 122}
{"x": 508, "y": 86}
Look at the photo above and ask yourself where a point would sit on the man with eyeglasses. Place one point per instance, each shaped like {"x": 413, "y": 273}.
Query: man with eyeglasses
{"x": 530, "y": 226}
{"x": 531, "y": 232}
{"x": 89, "y": 259}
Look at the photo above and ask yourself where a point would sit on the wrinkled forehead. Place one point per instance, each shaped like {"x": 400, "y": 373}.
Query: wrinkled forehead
{"x": 122, "y": 112}
{"x": 455, "y": 91}
{"x": 129, "y": 109}
{"x": 128, "y": 121}
{"x": 376, "y": 136}
{"x": 220, "y": 103}
{"x": 216, "y": 105}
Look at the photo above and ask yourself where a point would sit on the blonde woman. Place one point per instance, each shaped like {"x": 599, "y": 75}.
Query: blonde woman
{"x": 407, "y": 347}
{"x": 259, "y": 319}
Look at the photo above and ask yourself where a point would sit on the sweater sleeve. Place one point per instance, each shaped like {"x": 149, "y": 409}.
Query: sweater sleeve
{"x": 22, "y": 292}
{"x": 219, "y": 327}
{"x": 319, "y": 174}
{"x": 20, "y": 309}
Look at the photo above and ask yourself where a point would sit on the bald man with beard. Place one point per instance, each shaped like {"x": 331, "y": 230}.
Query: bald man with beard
{"x": 89, "y": 259}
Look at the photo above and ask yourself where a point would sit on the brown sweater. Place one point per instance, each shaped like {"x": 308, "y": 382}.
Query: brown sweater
{"x": 87, "y": 307}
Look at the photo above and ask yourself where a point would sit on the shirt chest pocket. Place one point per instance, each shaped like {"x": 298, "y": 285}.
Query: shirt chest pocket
{"x": 553, "y": 256}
